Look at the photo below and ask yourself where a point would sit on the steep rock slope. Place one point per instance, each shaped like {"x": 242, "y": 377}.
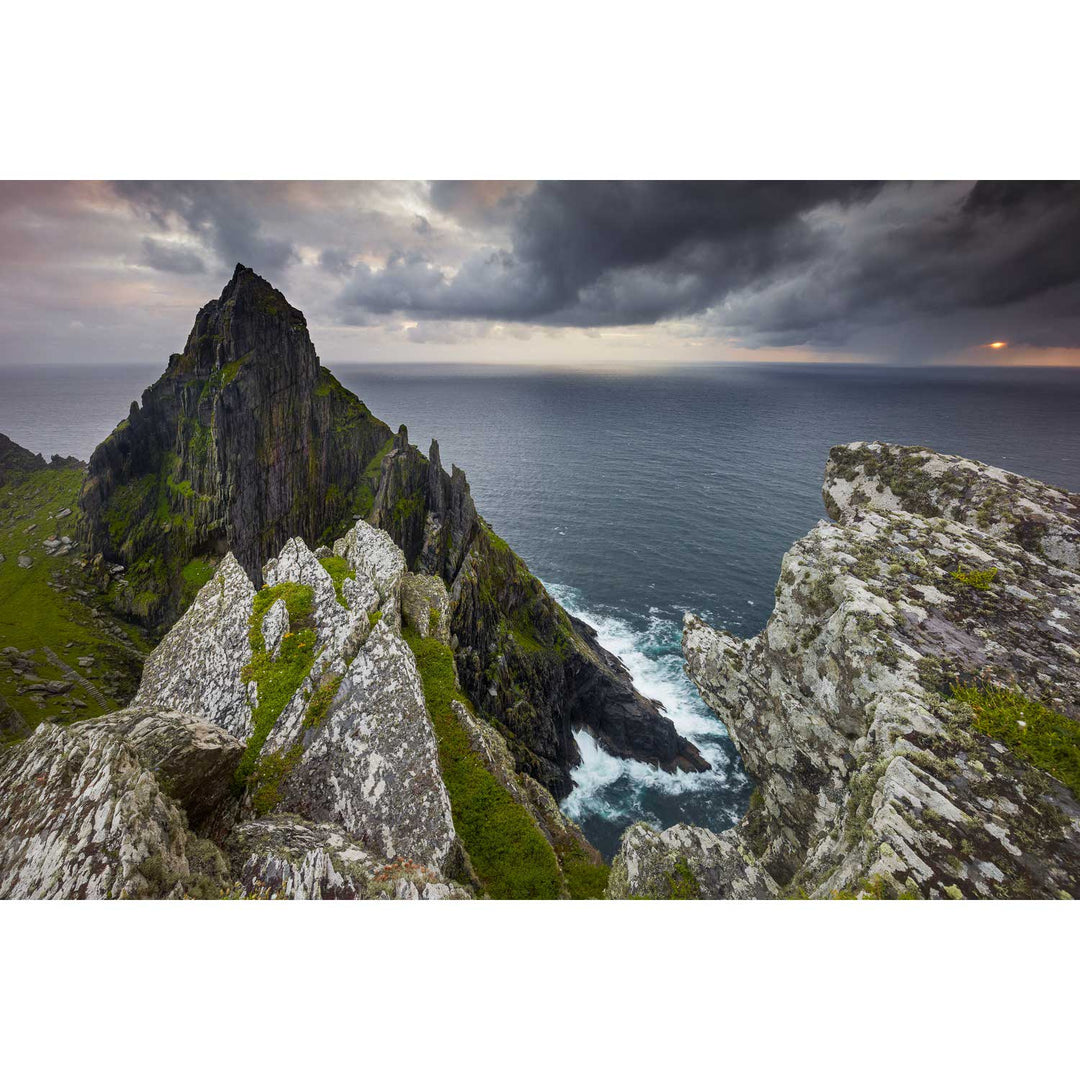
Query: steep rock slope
{"x": 532, "y": 669}
{"x": 354, "y": 781}
{"x": 243, "y": 442}
{"x": 246, "y": 441}
{"x": 911, "y": 711}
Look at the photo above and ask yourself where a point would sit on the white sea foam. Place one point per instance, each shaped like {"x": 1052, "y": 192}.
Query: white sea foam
{"x": 611, "y": 787}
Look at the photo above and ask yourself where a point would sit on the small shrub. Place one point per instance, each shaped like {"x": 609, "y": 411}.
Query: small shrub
{"x": 977, "y": 579}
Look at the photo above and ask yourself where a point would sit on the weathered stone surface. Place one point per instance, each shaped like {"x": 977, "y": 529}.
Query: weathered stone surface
{"x": 366, "y": 760}
{"x": 193, "y": 761}
{"x": 86, "y": 815}
{"x": 275, "y": 626}
{"x": 687, "y": 863}
{"x": 872, "y": 778}
{"x": 377, "y": 560}
{"x": 425, "y": 605}
{"x": 197, "y": 668}
{"x": 371, "y": 765}
{"x": 288, "y": 857}
{"x": 1040, "y": 518}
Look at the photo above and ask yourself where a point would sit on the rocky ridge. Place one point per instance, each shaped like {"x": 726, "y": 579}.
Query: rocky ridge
{"x": 281, "y": 745}
{"x": 910, "y": 712}
{"x": 247, "y": 441}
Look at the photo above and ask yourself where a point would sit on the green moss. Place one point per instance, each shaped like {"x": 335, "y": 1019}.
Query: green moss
{"x": 510, "y": 855}
{"x": 1035, "y": 733}
{"x": 339, "y": 570}
{"x": 277, "y": 678}
{"x": 321, "y": 700}
{"x": 977, "y": 579}
{"x": 585, "y": 880}
{"x": 196, "y": 573}
{"x": 681, "y": 881}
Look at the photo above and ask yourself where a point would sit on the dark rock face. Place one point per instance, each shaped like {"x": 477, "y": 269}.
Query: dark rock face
{"x": 16, "y": 460}
{"x": 246, "y": 441}
{"x": 531, "y": 669}
{"x": 243, "y": 442}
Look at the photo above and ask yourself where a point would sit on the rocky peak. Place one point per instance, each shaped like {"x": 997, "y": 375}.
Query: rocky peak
{"x": 244, "y": 441}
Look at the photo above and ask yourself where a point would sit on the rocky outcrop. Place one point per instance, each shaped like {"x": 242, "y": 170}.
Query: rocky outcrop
{"x": 286, "y": 857}
{"x": 244, "y": 442}
{"x": 532, "y": 670}
{"x": 910, "y": 710}
{"x": 199, "y": 666}
{"x": 324, "y": 692}
{"x": 17, "y": 461}
{"x": 96, "y": 810}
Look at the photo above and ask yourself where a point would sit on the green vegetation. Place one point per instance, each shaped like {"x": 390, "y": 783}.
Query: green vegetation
{"x": 1035, "y": 733}
{"x": 510, "y": 855}
{"x": 681, "y": 881}
{"x": 196, "y": 573}
{"x": 585, "y": 880}
{"x": 277, "y": 679}
{"x": 50, "y": 606}
{"x": 321, "y": 700}
{"x": 977, "y": 579}
{"x": 339, "y": 570}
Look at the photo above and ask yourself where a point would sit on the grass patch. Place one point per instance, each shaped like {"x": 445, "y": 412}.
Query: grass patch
{"x": 977, "y": 579}
{"x": 277, "y": 678}
{"x": 1038, "y": 735}
{"x": 339, "y": 571}
{"x": 510, "y": 855}
{"x": 585, "y": 880}
{"x": 681, "y": 881}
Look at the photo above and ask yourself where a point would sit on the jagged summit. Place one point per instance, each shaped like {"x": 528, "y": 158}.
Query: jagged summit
{"x": 251, "y": 322}
{"x": 243, "y": 442}
{"x": 246, "y": 441}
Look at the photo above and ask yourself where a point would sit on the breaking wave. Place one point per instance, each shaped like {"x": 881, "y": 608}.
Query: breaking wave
{"x": 612, "y": 793}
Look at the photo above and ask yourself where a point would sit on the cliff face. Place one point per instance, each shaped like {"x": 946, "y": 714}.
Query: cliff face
{"x": 308, "y": 739}
{"x": 532, "y": 669}
{"x": 911, "y": 712}
{"x": 243, "y": 442}
{"x": 246, "y": 441}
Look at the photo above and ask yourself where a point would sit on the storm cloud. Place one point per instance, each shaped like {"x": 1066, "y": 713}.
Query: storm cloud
{"x": 553, "y": 270}
{"x": 818, "y": 264}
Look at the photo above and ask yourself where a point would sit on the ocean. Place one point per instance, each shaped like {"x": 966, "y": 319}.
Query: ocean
{"x": 638, "y": 497}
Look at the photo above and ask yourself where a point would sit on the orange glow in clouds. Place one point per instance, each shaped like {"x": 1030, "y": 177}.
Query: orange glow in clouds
{"x": 997, "y": 344}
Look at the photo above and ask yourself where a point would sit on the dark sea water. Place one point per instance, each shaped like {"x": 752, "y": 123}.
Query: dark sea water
{"x": 638, "y": 497}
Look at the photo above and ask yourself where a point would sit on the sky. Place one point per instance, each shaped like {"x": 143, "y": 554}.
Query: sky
{"x": 613, "y": 275}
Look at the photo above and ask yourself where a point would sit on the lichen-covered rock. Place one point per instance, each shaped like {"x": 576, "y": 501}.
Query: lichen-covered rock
{"x": 687, "y": 863}
{"x": 873, "y": 777}
{"x": 348, "y": 741}
{"x": 379, "y": 566}
{"x": 425, "y": 605}
{"x": 193, "y": 760}
{"x": 288, "y": 857}
{"x": 1040, "y": 518}
{"x": 87, "y": 815}
{"x": 198, "y": 666}
{"x": 371, "y": 764}
{"x": 275, "y": 626}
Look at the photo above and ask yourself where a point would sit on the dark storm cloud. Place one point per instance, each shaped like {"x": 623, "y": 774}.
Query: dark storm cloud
{"x": 822, "y": 264}
{"x": 171, "y": 258}
{"x": 220, "y": 214}
{"x": 596, "y": 254}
